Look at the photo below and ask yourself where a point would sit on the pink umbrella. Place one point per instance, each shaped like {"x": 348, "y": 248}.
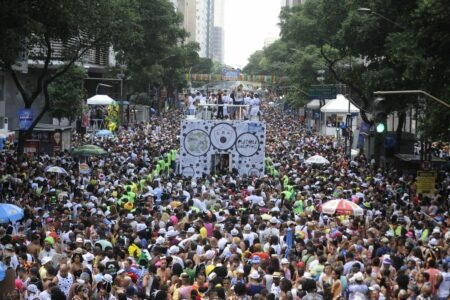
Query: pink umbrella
{"x": 342, "y": 207}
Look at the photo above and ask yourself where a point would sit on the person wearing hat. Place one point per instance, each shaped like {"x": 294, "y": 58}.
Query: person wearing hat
{"x": 46, "y": 264}
{"x": 357, "y": 288}
{"x": 374, "y": 292}
{"x": 48, "y": 250}
{"x": 254, "y": 285}
{"x": 103, "y": 289}
{"x": 273, "y": 227}
{"x": 275, "y": 285}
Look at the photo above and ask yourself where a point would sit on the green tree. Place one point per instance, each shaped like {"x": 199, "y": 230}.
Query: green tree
{"x": 397, "y": 47}
{"x": 203, "y": 66}
{"x": 66, "y": 94}
{"x": 255, "y": 63}
{"x": 153, "y": 45}
{"x": 35, "y": 27}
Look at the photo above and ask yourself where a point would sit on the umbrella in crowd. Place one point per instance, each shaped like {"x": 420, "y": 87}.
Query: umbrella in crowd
{"x": 89, "y": 150}
{"x": 318, "y": 160}
{"x": 56, "y": 169}
{"x": 342, "y": 207}
{"x": 104, "y": 133}
{"x": 10, "y": 212}
{"x": 103, "y": 244}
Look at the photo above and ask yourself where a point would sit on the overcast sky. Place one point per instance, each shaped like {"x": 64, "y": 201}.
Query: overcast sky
{"x": 247, "y": 24}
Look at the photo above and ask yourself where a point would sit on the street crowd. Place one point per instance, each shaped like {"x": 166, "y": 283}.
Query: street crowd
{"x": 132, "y": 228}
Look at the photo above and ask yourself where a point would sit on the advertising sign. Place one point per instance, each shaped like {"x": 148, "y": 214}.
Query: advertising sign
{"x": 426, "y": 182}
{"x": 25, "y": 118}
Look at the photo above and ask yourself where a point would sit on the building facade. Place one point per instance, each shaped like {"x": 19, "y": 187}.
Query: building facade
{"x": 291, "y": 3}
{"x": 95, "y": 61}
{"x": 203, "y": 20}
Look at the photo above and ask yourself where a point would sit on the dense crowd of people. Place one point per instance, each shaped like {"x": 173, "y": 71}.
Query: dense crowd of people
{"x": 132, "y": 228}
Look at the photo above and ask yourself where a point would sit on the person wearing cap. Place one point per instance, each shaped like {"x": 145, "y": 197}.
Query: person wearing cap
{"x": 255, "y": 262}
{"x": 387, "y": 267}
{"x": 284, "y": 266}
{"x": 249, "y": 235}
{"x": 384, "y": 249}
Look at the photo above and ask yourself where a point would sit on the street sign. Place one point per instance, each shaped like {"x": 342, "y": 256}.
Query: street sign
{"x": 426, "y": 181}
{"x": 322, "y": 92}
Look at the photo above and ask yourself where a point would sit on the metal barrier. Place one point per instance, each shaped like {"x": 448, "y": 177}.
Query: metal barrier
{"x": 207, "y": 111}
{"x": 96, "y": 124}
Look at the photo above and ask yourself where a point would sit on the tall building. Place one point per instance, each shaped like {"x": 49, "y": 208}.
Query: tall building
{"x": 188, "y": 9}
{"x": 291, "y": 3}
{"x": 201, "y": 26}
{"x": 204, "y": 19}
{"x": 218, "y": 34}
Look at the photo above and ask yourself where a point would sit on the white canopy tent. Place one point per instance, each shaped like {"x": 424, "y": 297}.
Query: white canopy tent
{"x": 336, "y": 111}
{"x": 100, "y": 100}
{"x": 339, "y": 105}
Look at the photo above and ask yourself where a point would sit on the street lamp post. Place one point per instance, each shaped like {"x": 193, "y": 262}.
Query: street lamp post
{"x": 370, "y": 11}
{"x": 121, "y": 76}
{"x": 413, "y": 92}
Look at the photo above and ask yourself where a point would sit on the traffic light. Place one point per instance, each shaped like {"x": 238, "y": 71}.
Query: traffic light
{"x": 379, "y": 114}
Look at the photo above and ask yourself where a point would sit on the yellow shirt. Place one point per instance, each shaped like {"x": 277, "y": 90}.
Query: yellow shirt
{"x": 203, "y": 233}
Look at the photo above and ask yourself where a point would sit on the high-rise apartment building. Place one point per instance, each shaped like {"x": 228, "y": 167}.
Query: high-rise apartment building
{"x": 291, "y": 3}
{"x": 201, "y": 26}
{"x": 218, "y": 34}
{"x": 188, "y": 9}
{"x": 203, "y": 19}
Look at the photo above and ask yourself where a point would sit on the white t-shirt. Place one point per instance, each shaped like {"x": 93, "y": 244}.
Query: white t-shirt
{"x": 444, "y": 287}
{"x": 191, "y": 103}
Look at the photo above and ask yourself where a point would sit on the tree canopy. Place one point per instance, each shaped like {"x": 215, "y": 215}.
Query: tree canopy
{"x": 370, "y": 46}
{"x": 146, "y": 35}
{"x": 66, "y": 94}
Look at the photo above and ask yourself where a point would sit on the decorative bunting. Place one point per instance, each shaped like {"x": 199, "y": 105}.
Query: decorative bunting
{"x": 241, "y": 77}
